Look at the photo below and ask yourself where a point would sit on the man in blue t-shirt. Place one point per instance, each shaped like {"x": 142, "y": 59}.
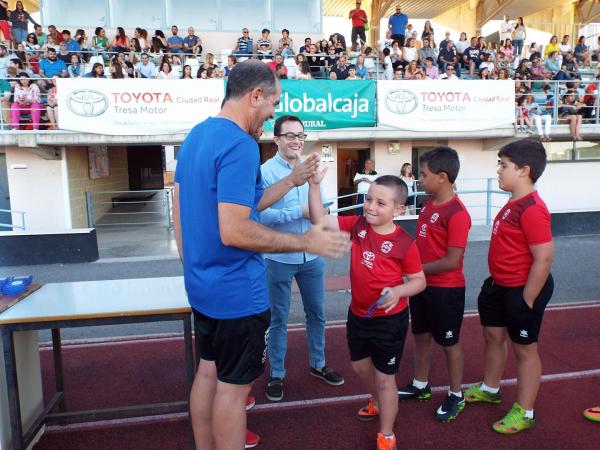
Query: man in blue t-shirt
{"x": 217, "y": 198}
{"x": 175, "y": 42}
{"x": 52, "y": 65}
{"x": 192, "y": 44}
{"x": 397, "y": 25}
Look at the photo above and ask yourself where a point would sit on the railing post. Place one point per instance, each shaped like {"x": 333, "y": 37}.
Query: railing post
{"x": 488, "y": 205}
{"x": 89, "y": 204}
{"x": 167, "y": 204}
{"x": 555, "y": 104}
{"x": 597, "y": 102}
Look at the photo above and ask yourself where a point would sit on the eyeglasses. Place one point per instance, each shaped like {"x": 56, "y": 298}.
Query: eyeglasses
{"x": 292, "y": 136}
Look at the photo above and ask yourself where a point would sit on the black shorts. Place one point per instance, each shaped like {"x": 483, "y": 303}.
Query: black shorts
{"x": 237, "y": 346}
{"x": 439, "y": 311}
{"x": 501, "y": 306}
{"x": 399, "y": 38}
{"x": 379, "y": 338}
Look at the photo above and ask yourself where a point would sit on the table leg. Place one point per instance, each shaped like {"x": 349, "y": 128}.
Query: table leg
{"x": 58, "y": 367}
{"x": 14, "y": 405}
{"x": 189, "y": 369}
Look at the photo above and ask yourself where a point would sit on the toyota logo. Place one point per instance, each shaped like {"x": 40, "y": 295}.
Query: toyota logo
{"x": 369, "y": 256}
{"x": 87, "y": 103}
{"x": 401, "y": 101}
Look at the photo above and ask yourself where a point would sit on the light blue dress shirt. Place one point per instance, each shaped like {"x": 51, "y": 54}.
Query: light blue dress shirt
{"x": 285, "y": 215}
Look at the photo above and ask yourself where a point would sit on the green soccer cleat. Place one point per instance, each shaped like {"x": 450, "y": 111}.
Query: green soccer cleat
{"x": 474, "y": 395}
{"x": 592, "y": 414}
{"x": 514, "y": 421}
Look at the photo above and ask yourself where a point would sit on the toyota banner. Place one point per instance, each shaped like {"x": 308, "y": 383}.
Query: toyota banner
{"x": 445, "y": 105}
{"x": 136, "y": 107}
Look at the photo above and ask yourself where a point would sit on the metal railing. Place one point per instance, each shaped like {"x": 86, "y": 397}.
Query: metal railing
{"x": 12, "y": 226}
{"x": 129, "y": 208}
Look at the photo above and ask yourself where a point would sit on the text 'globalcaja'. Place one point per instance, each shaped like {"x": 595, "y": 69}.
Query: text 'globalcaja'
{"x": 305, "y": 104}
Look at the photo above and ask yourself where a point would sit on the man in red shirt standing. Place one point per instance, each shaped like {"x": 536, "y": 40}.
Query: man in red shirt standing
{"x": 4, "y": 27}
{"x": 437, "y": 312}
{"x": 359, "y": 20}
{"x": 513, "y": 299}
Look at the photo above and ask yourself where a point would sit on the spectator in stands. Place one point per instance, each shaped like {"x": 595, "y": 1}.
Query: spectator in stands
{"x": 359, "y": 20}
{"x": 135, "y": 50}
{"x": 281, "y": 71}
{"x": 5, "y": 95}
{"x": 449, "y": 73}
{"x": 100, "y": 42}
{"x": 97, "y": 71}
{"x": 523, "y": 122}
{"x": 411, "y": 70}
{"x": 4, "y": 22}
{"x": 51, "y": 65}
{"x": 31, "y": 45}
{"x": 427, "y": 30}
{"x": 121, "y": 41}
{"x": 489, "y": 65}
{"x": 361, "y": 69}
{"x": 303, "y": 71}
{"x": 519, "y": 35}
{"x": 315, "y": 62}
{"x": 231, "y": 62}
{"x": 570, "y": 110}
{"x": 166, "y": 71}
{"x": 278, "y": 59}
{"x": 570, "y": 66}
{"x": 71, "y": 44}
{"x": 175, "y": 42}
{"x": 40, "y": 36}
{"x": 128, "y": 69}
{"x": 397, "y": 56}
{"x": 352, "y": 73}
{"x": 537, "y": 71}
{"x": 338, "y": 43}
{"x": 397, "y": 24}
{"x": 285, "y": 39}
{"x": 538, "y": 115}
{"x": 503, "y": 74}
{"x": 506, "y": 29}
{"x": 52, "y": 105}
{"x": 552, "y": 46}
{"x": 484, "y": 73}
{"x": 565, "y": 46}
{"x": 192, "y": 44}
{"x": 523, "y": 70}
{"x": 209, "y": 63}
{"x": 388, "y": 67}
{"x": 142, "y": 36}
{"x": 445, "y": 40}
{"x": 116, "y": 71}
{"x": 582, "y": 53}
{"x": 323, "y": 46}
{"x": 398, "y": 74}
{"x": 431, "y": 71}
{"x": 76, "y": 68}
{"x": 306, "y": 47}
{"x": 427, "y": 52}
{"x": 160, "y": 35}
{"x": 244, "y": 46}
{"x": 84, "y": 46}
{"x": 157, "y": 50}
{"x": 20, "y": 19}
{"x": 52, "y": 31}
{"x": 472, "y": 56}
{"x": 408, "y": 31}
{"x": 186, "y": 73}
{"x": 341, "y": 69}
{"x": 63, "y": 53}
{"x": 409, "y": 53}
{"x": 507, "y": 51}
{"x": 552, "y": 65}
{"x": 146, "y": 68}
{"x": 448, "y": 55}
{"x": 211, "y": 73}
{"x": 415, "y": 40}
{"x": 386, "y": 42}
{"x": 3, "y": 61}
{"x": 589, "y": 98}
{"x": 264, "y": 47}
{"x": 596, "y": 50}
{"x": 27, "y": 100}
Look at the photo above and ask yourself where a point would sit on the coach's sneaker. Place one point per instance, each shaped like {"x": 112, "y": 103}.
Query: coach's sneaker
{"x": 386, "y": 442}
{"x": 252, "y": 439}
{"x": 451, "y": 408}
{"x": 368, "y": 412}
{"x": 250, "y": 402}
{"x": 474, "y": 394}
{"x": 410, "y": 391}
{"x": 328, "y": 375}
{"x": 514, "y": 421}
{"x": 274, "y": 390}
{"x": 592, "y": 414}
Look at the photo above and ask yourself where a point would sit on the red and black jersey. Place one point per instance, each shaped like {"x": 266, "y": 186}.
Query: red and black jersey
{"x": 378, "y": 261}
{"x": 439, "y": 227}
{"x": 518, "y": 225}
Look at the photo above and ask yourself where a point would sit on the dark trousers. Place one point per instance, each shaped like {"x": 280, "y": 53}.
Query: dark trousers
{"x": 398, "y": 38}
{"x": 358, "y": 31}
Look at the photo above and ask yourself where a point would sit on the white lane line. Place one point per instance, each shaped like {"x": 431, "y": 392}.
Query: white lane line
{"x": 333, "y": 324}
{"x": 146, "y": 420}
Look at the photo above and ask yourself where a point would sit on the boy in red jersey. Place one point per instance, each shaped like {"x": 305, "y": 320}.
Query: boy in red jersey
{"x": 512, "y": 301}
{"x": 382, "y": 254}
{"x": 442, "y": 232}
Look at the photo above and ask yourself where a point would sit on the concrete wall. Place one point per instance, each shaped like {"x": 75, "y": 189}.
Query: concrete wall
{"x": 460, "y": 18}
{"x": 80, "y": 182}
{"x": 558, "y": 20}
{"x": 37, "y": 188}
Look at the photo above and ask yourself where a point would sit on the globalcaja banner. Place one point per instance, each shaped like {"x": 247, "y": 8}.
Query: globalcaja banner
{"x": 327, "y": 104}
{"x": 445, "y": 105}
{"x": 133, "y": 106}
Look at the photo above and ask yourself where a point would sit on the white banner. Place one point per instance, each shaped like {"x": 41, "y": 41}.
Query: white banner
{"x": 136, "y": 106}
{"x": 445, "y": 105}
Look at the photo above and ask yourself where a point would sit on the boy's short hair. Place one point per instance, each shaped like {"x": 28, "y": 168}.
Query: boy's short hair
{"x": 442, "y": 159}
{"x": 526, "y": 152}
{"x": 395, "y": 183}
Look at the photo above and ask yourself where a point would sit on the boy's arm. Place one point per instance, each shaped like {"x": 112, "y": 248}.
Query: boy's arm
{"x": 315, "y": 203}
{"x": 415, "y": 284}
{"x": 449, "y": 262}
{"x": 543, "y": 255}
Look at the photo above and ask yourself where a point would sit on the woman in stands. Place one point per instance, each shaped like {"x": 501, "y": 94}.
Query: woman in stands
{"x": 324, "y": 46}
{"x": 461, "y": 45}
{"x": 27, "y": 99}
{"x": 570, "y": 110}
{"x": 76, "y": 69}
{"x": 157, "y": 50}
{"x": 303, "y": 71}
{"x": 503, "y": 74}
{"x": 116, "y": 71}
{"x": 582, "y": 52}
{"x": 165, "y": 71}
{"x": 161, "y": 36}
{"x": 82, "y": 39}
{"x": 408, "y": 177}
{"x": 231, "y": 61}
{"x": 20, "y": 20}
{"x": 427, "y": 30}
{"x": 97, "y": 71}
{"x": 135, "y": 50}
{"x": 142, "y": 36}
{"x": 120, "y": 42}
{"x": 507, "y": 51}
{"x": 52, "y": 105}
{"x": 565, "y": 46}
{"x": 519, "y": 36}
{"x": 361, "y": 69}
{"x": 484, "y": 74}
{"x": 31, "y": 45}
{"x": 100, "y": 42}
{"x": 552, "y": 46}
{"x": 409, "y": 53}
{"x": 186, "y": 73}
{"x": 411, "y": 70}
{"x": 397, "y": 56}
{"x": 315, "y": 62}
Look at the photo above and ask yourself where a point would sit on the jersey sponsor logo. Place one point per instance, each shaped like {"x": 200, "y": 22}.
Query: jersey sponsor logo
{"x": 496, "y": 226}
{"x": 449, "y": 334}
{"x": 362, "y": 234}
{"x": 264, "y": 355}
{"x": 392, "y": 361}
{"x": 506, "y": 213}
{"x": 368, "y": 258}
{"x": 423, "y": 231}
{"x": 387, "y": 246}
{"x": 523, "y": 333}
{"x": 434, "y": 217}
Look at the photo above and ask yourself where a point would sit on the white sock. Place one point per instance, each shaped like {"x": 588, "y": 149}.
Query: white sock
{"x": 457, "y": 394}
{"x": 491, "y": 390}
{"x": 419, "y": 384}
{"x": 529, "y": 413}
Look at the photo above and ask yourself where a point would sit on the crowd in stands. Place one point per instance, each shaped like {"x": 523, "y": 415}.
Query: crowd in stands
{"x": 404, "y": 54}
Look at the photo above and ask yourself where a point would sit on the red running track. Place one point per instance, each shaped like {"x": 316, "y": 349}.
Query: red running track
{"x": 316, "y": 416}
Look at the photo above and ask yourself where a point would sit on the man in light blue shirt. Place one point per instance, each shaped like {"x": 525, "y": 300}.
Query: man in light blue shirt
{"x": 146, "y": 68}
{"x": 290, "y": 214}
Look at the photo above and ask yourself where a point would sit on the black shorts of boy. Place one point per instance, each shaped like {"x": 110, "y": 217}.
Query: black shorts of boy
{"x": 501, "y": 306}
{"x": 379, "y": 338}
{"x": 439, "y": 311}
{"x": 237, "y": 346}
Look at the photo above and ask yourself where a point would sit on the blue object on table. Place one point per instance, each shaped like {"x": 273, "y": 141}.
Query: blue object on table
{"x": 374, "y": 305}
{"x": 16, "y": 285}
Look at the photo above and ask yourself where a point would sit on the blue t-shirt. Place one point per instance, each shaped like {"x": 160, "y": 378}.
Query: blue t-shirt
{"x": 398, "y": 23}
{"x": 52, "y": 68}
{"x": 219, "y": 163}
{"x": 175, "y": 40}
